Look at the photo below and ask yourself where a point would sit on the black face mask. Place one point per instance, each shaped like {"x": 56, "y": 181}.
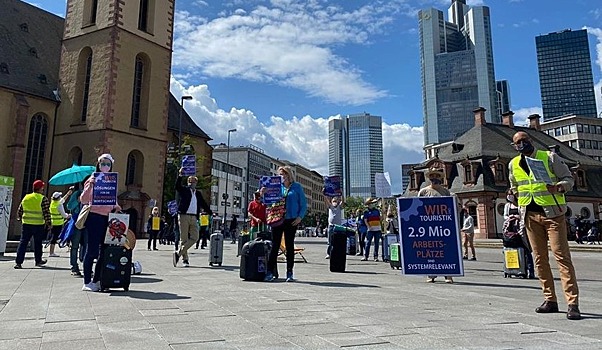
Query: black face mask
{"x": 525, "y": 147}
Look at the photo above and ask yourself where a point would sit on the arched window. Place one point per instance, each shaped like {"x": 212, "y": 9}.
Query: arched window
{"x": 36, "y": 151}
{"x": 75, "y": 156}
{"x": 140, "y": 91}
{"x": 134, "y": 169}
{"x": 84, "y": 74}
{"x": 86, "y": 90}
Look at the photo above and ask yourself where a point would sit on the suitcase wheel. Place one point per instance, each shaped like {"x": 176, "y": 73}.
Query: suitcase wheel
{"x": 219, "y": 264}
{"x": 505, "y": 275}
{"x": 210, "y": 264}
{"x": 392, "y": 268}
{"x": 126, "y": 288}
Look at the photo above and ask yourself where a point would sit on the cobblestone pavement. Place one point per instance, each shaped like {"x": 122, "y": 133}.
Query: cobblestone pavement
{"x": 370, "y": 306}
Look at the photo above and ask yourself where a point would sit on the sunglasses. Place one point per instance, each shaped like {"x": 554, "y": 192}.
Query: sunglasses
{"x": 105, "y": 164}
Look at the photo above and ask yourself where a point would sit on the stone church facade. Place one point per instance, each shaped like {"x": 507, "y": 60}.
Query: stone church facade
{"x": 95, "y": 82}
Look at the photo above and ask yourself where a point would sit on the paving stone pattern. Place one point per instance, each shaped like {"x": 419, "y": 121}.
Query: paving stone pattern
{"x": 370, "y": 306}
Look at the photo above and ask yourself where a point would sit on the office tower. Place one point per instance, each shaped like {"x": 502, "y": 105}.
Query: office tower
{"x": 456, "y": 59}
{"x": 503, "y": 96}
{"x": 565, "y": 74}
{"x": 355, "y": 152}
{"x": 405, "y": 176}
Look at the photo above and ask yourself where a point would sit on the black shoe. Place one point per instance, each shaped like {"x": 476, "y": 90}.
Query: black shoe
{"x": 547, "y": 307}
{"x": 76, "y": 273}
{"x": 573, "y": 313}
{"x": 41, "y": 262}
{"x": 17, "y": 266}
{"x": 474, "y": 258}
{"x": 176, "y": 258}
{"x": 203, "y": 247}
{"x": 464, "y": 258}
{"x": 155, "y": 249}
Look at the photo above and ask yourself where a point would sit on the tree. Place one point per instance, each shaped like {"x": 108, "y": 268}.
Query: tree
{"x": 172, "y": 166}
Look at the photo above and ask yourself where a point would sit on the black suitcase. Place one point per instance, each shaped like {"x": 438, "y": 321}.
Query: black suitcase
{"x": 116, "y": 269}
{"x": 254, "y": 260}
{"x": 242, "y": 239}
{"x": 395, "y": 260}
{"x": 338, "y": 252}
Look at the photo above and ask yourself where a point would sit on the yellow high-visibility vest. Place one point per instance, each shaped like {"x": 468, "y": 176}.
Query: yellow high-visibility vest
{"x": 32, "y": 209}
{"x": 55, "y": 216}
{"x": 531, "y": 190}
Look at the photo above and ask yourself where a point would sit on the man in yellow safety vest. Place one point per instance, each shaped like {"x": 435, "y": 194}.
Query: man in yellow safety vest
{"x": 34, "y": 212}
{"x": 542, "y": 207}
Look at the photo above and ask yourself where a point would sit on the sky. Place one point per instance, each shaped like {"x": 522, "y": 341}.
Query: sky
{"x": 278, "y": 70}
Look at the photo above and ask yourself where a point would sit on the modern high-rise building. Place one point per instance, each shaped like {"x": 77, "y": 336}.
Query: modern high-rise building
{"x": 456, "y": 58}
{"x": 565, "y": 74}
{"x": 503, "y": 96}
{"x": 355, "y": 152}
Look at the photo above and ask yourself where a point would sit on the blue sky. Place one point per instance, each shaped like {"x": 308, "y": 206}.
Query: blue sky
{"x": 278, "y": 70}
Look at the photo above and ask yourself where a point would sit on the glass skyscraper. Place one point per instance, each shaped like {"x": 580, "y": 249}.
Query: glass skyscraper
{"x": 456, "y": 58}
{"x": 503, "y": 96}
{"x": 355, "y": 152}
{"x": 565, "y": 74}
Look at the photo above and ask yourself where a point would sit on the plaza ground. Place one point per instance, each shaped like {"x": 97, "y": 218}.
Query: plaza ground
{"x": 370, "y": 306}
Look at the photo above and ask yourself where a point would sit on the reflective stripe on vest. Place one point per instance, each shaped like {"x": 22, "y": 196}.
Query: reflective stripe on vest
{"x": 529, "y": 189}
{"x": 55, "y": 216}
{"x": 32, "y": 209}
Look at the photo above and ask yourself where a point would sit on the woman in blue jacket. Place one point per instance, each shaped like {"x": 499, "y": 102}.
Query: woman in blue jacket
{"x": 296, "y": 207}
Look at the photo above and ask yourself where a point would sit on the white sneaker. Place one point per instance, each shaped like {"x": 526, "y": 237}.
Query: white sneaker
{"x": 91, "y": 287}
{"x": 186, "y": 264}
{"x": 53, "y": 255}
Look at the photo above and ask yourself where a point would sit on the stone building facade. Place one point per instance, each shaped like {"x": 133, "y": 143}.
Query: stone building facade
{"x": 476, "y": 170}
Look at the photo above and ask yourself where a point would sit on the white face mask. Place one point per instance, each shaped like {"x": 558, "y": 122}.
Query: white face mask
{"x": 510, "y": 198}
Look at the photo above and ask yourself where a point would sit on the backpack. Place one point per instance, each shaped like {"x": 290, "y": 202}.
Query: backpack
{"x": 511, "y": 234}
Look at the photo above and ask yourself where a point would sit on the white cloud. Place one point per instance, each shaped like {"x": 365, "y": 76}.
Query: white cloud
{"x": 521, "y": 115}
{"x": 301, "y": 140}
{"x": 292, "y": 43}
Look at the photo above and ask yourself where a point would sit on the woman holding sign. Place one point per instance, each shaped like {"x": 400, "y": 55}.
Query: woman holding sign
{"x": 96, "y": 224}
{"x": 296, "y": 207}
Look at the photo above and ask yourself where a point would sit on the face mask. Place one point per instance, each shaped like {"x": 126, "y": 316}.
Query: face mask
{"x": 510, "y": 198}
{"x": 436, "y": 181}
{"x": 525, "y": 147}
{"x": 105, "y": 168}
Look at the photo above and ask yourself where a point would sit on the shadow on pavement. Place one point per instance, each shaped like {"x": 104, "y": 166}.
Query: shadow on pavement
{"x": 337, "y": 284}
{"x": 45, "y": 267}
{"x": 223, "y": 267}
{"x": 363, "y": 272}
{"x": 586, "y": 315}
{"x": 495, "y": 285}
{"x": 139, "y": 294}
{"x": 137, "y": 279}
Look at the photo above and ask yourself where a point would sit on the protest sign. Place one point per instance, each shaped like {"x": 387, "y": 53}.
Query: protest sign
{"x": 382, "y": 183}
{"x": 172, "y": 207}
{"x": 430, "y": 242}
{"x": 188, "y": 165}
{"x": 272, "y": 188}
{"x": 105, "y": 189}
{"x": 539, "y": 171}
{"x": 332, "y": 186}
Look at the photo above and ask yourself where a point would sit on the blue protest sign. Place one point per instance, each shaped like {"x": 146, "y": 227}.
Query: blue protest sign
{"x": 172, "y": 207}
{"x": 188, "y": 165}
{"x": 332, "y": 186}
{"x": 272, "y": 188}
{"x": 430, "y": 241}
{"x": 105, "y": 189}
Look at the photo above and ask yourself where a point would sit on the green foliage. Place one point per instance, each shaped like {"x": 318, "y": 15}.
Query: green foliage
{"x": 172, "y": 167}
{"x": 352, "y": 204}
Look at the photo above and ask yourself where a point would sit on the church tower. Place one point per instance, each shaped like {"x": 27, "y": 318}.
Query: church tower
{"x": 114, "y": 90}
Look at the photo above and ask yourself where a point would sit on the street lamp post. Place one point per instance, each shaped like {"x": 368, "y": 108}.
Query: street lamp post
{"x": 225, "y": 196}
{"x": 186, "y": 97}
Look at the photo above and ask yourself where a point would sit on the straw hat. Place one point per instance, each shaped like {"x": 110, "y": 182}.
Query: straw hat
{"x": 435, "y": 171}
{"x": 370, "y": 200}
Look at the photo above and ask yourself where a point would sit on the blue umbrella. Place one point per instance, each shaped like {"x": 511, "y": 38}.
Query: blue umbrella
{"x": 75, "y": 174}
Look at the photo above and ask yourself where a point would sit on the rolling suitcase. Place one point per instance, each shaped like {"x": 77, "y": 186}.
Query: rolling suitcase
{"x": 254, "y": 260}
{"x": 116, "y": 269}
{"x": 216, "y": 249}
{"x": 338, "y": 252}
{"x": 242, "y": 239}
{"x": 351, "y": 245}
{"x": 388, "y": 239}
{"x": 395, "y": 259}
{"x": 514, "y": 262}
